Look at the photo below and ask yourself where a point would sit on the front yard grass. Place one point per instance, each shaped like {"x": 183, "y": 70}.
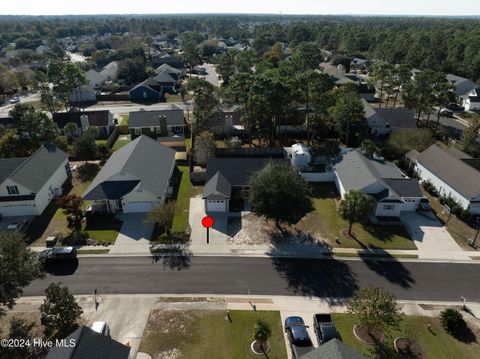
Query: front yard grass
{"x": 436, "y": 344}
{"x": 182, "y": 193}
{"x": 121, "y": 141}
{"x": 103, "y": 229}
{"x": 369, "y": 235}
{"x": 206, "y": 334}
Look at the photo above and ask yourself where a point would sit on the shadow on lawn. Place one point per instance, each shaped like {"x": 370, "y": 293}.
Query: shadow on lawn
{"x": 318, "y": 278}
{"x": 388, "y": 267}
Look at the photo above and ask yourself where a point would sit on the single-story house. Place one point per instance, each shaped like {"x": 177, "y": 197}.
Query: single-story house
{"x": 177, "y": 74}
{"x": 227, "y": 122}
{"x": 102, "y": 119}
{"x": 453, "y": 173}
{"x": 471, "y": 100}
{"x": 110, "y": 71}
{"x": 160, "y": 123}
{"x": 83, "y": 95}
{"x": 383, "y": 121}
{"x": 377, "y": 126}
{"x": 462, "y": 85}
{"x": 95, "y": 79}
{"x": 28, "y": 184}
{"x": 333, "y": 349}
{"x": 167, "y": 82}
{"x": 7, "y": 122}
{"x": 136, "y": 178}
{"x": 337, "y": 74}
{"x": 227, "y": 179}
{"x": 147, "y": 91}
{"x": 393, "y": 192}
{"x": 166, "y": 59}
{"x": 88, "y": 345}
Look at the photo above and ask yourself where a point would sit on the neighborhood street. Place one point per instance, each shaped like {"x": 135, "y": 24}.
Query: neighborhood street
{"x": 265, "y": 276}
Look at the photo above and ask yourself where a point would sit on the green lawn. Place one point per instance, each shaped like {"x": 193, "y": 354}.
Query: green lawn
{"x": 207, "y": 335}
{"x": 182, "y": 196}
{"x": 370, "y": 235}
{"x": 124, "y": 120}
{"x": 120, "y": 142}
{"x": 438, "y": 345}
{"x": 101, "y": 142}
{"x": 103, "y": 228}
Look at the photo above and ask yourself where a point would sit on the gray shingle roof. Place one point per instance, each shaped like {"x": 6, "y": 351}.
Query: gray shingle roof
{"x": 90, "y": 345}
{"x": 144, "y": 159}
{"x": 462, "y": 85}
{"x": 452, "y": 170}
{"x": 237, "y": 171}
{"x": 373, "y": 118}
{"x": 8, "y": 165}
{"x": 173, "y": 113}
{"x": 217, "y": 187}
{"x": 333, "y": 349}
{"x": 356, "y": 171}
{"x": 33, "y": 172}
{"x": 398, "y": 118}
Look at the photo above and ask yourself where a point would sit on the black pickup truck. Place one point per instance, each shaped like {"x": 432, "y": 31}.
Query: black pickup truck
{"x": 324, "y": 328}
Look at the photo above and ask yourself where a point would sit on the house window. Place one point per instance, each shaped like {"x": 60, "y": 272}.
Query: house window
{"x": 388, "y": 207}
{"x": 158, "y": 129}
{"x": 12, "y": 189}
{"x": 138, "y": 131}
{"x": 144, "y": 94}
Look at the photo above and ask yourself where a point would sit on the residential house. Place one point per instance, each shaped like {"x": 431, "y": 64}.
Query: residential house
{"x": 169, "y": 121}
{"x": 167, "y": 82}
{"x": 7, "y": 122}
{"x": 166, "y": 58}
{"x": 28, "y": 185}
{"x": 383, "y": 121}
{"x": 337, "y": 73}
{"x": 471, "y": 101}
{"x": 177, "y": 74}
{"x": 147, "y": 91}
{"x": 393, "y": 192}
{"x": 136, "y": 178}
{"x": 102, "y": 120}
{"x": 462, "y": 86}
{"x": 333, "y": 349}
{"x": 83, "y": 95}
{"x": 89, "y": 344}
{"x": 110, "y": 71}
{"x": 95, "y": 79}
{"x": 227, "y": 180}
{"x": 452, "y": 172}
{"x": 42, "y": 49}
{"x": 228, "y": 122}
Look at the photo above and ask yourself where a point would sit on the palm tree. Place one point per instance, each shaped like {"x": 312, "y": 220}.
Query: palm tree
{"x": 262, "y": 332}
{"x": 70, "y": 128}
{"x": 354, "y": 207}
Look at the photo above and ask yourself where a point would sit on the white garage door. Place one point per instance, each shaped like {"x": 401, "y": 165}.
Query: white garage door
{"x": 216, "y": 206}
{"x": 18, "y": 210}
{"x": 138, "y": 206}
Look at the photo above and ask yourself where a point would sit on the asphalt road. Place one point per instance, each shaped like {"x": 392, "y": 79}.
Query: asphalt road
{"x": 265, "y": 276}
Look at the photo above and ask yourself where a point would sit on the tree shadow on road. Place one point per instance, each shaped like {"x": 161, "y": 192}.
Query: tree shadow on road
{"x": 176, "y": 257}
{"x": 387, "y": 266}
{"x": 317, "y": 278}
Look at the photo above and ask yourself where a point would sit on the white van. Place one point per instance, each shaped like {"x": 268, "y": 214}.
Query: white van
{"x": 101, "y": 327}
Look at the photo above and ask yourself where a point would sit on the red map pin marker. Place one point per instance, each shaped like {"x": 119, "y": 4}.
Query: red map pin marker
{"x": 207, "y": 222}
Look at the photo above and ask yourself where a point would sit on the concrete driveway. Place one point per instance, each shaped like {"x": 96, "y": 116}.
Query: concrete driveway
{"x": 218, "y": 234}
{"x": 134, "y": 236}
{"x": 126, "y": 325}
{"x": 431, "y": 237}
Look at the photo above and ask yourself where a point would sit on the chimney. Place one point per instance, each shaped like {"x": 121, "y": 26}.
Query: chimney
{"x": 84, "y": 122}
{"x": 163, "y": 125}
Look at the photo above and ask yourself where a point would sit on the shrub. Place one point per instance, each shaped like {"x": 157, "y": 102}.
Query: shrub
{"x": 453, "y": 321}
{"x": 464, "y": 215}
{"x": 76, "y": 238}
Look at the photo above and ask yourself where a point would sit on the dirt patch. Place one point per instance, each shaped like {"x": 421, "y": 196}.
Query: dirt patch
{"x": 251, "y": 229}
{"x": 362, "y": 334}
{"x": 32, "y": 317}
{"x": 190, "y": 299}
{"x": 409, "y": 349}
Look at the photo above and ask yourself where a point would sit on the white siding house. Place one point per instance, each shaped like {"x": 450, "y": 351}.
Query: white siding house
{"x": 28, "y": 185}
{"x": 452, "y": 174}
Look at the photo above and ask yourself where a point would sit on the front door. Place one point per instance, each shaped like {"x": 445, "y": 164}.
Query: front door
{"x": 119, "y": 205}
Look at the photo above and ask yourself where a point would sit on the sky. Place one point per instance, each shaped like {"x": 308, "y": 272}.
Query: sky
{"x": 351, "y": 7}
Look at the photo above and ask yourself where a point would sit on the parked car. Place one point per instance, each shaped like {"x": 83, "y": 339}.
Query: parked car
{"x": 298, "y": 337}
{"x": 101, "y": 327}
{"x": 18, "y": 225}
{"x": 15, "y": 99}
{"x": 324, "y": 328}
{"x": 58, "y": 254}
{"x": 455, "y": 107}
{"x": 446, "y": 112}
